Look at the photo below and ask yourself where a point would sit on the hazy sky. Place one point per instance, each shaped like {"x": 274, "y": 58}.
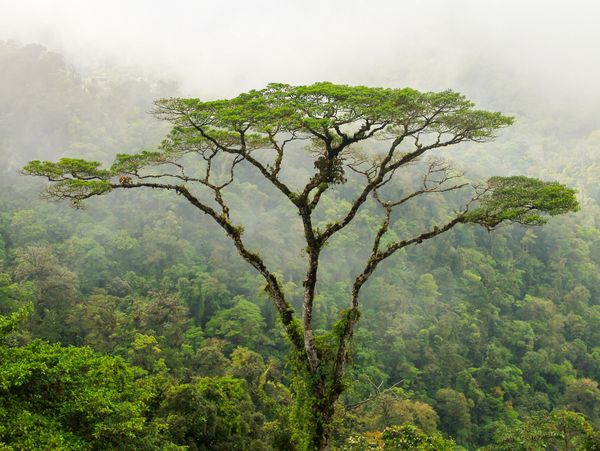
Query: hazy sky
{"x": 223, "y": 47}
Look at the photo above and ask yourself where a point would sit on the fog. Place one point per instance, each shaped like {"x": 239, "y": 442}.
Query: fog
{"x": 221, "y": 48}
{"x": 537, "y": 61}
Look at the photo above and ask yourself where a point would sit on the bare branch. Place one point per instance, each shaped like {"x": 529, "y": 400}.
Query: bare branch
{"x": 386, "y": 169}
{"x": 376, "y": 393}
{"x": 269, "y": 175}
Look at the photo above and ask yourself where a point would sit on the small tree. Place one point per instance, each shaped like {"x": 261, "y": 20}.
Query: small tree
{"x": 259, "y": 129}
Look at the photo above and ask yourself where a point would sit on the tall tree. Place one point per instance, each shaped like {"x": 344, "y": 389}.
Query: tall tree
{"x": 265, "y": 130}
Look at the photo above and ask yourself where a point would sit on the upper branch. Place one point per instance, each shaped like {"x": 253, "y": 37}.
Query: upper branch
{"x": 379, "y": 176}
{"x": 246, "y": 155}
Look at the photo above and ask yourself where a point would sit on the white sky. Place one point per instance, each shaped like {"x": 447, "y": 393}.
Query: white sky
{"x": 219, "y": 48}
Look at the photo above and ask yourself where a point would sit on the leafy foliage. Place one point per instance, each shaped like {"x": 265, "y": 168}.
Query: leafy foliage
{"x": 69, "y": 397}
{"x": 522, "y": 200}
{"x": 408, "y": 437}
{"x": 210, "y": 413}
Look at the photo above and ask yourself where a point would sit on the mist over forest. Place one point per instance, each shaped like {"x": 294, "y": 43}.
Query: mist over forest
{"x": 175, "y": 318}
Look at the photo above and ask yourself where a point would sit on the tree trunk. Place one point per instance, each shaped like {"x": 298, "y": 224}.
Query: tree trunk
{"x": 322, "y": 416}
{"x": 318, "y": 388}
{"x": 316, "y": 396}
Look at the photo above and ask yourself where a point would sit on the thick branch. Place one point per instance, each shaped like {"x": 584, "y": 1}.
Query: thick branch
{"x": 275, "y": 290}
{"x": 328, "y": 232}
{"x": 310, "y": 281}
{"x": 376, "y": 257}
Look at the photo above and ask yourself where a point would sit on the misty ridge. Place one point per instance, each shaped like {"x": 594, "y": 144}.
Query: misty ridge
{"x": 473, "y": 340}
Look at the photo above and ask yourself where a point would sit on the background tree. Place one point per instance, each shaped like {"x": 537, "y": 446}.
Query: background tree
{"x": 583, "y": 395}
{"x": 240, "y": 324}
{"x": 562, "y": 430}
{"x": 263, "y": 130}
{"x": 56, "y": 289}
{"x": 54, "y": 397}
{"x": 210, "y": 413}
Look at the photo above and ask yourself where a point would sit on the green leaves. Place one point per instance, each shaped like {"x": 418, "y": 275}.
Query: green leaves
{"x": 73, "y": 178}
{"x": 321, "y": 107}
{"x": 209, "y": 413}
{"x": 560, "y": 429}
{"x": 66, "y": 167}
{"x": 80, "y": 397}
{"x": 133, "y": 162}
{"x": 521, "y": 200}
{"x": 410, "y": 437}
{"x": 9, "y": 323}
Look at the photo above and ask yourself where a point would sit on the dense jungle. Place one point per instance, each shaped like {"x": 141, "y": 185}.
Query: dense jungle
{"x": 132, "y": 323}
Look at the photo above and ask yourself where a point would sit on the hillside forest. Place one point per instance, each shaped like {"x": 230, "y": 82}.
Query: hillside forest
{"x": 132, "y": 323}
